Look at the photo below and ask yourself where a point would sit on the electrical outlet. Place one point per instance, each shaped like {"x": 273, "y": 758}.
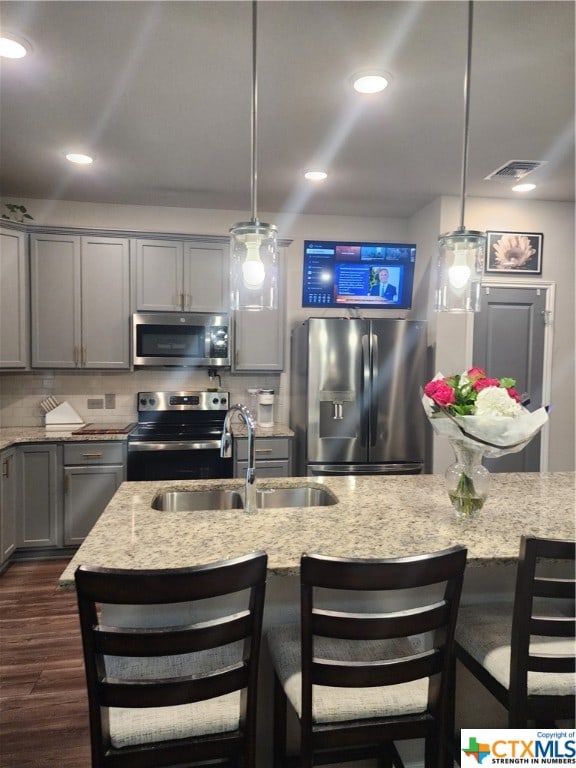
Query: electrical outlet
{"x": 94, "y": 403}
{"x": 109, "y": 401}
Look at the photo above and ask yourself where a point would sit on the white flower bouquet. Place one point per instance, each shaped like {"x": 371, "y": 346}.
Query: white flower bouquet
{"x": 480, "y": 416}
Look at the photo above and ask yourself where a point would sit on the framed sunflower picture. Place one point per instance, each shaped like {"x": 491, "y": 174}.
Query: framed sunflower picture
{"x": 514, "y": 253}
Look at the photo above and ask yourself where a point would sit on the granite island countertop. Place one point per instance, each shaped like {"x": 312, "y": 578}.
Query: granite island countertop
{"x": 376, "y": 516}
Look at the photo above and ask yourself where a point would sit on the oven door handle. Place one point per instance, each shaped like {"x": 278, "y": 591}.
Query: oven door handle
{"x": 185, "y": 445}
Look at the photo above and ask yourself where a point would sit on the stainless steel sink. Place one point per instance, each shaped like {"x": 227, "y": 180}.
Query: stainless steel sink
{"x": 193, "y": 501}
{"x": 266, "y": 498}
{"x": 303, "y": 496}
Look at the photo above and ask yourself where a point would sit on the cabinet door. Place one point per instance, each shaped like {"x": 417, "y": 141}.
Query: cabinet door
{"x": 105, "y": 302}
{"x": 159, "y": 275}
{"x": 206, "y": 277}
{"x": 55, "y": 283}
{"x": 8, "y": 488}
{"x": 87, "y": 490}
{"x": 13, "y": 300}
{"x": 259, "y": 336}
{"x": 258, "y": 340}
{"x": 38, "y": 523}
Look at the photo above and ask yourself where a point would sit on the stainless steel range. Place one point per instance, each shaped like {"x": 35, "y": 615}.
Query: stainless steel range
{"x": 178, "y": 436}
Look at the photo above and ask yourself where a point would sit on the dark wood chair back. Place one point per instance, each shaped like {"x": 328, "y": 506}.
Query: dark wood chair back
{"x": 433, "y": 618}
{"x": 536, "y": 615}
{"x": 124, "y": 646}
{"x": 525, "y": 654}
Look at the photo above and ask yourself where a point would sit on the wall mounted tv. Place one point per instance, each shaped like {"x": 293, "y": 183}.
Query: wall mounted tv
{"x": 358, "y": 275}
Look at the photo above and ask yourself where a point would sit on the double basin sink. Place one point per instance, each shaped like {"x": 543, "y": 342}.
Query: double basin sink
{"x": 266, "y": 498}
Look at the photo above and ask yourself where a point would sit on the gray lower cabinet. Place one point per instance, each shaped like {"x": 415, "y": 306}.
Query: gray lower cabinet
{"x": 38, "y": 524}
{"x": 273, "y": 456}
{"x": 93, "y": 471}
{"x": 8, "y": 488}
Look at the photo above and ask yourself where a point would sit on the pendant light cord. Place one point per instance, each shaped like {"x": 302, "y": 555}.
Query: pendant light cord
{"x": 254, "y": 123}
{"x": 466, "y": 115}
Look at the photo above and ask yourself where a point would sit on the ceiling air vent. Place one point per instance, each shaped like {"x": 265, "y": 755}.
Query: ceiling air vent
{"x": 515, "y": 170}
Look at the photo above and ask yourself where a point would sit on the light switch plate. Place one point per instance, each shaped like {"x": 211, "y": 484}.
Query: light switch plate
{"x": 109, "y": 401}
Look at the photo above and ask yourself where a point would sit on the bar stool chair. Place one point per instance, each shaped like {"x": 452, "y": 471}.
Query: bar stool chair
{"x": 525, "y": 655}
{"x": 360, "y": 680}
{"x": 181, "y": 690}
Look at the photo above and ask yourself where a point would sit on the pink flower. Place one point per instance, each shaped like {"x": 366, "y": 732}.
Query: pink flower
{"x": 440, "y": 392}
{"x": 476, "y": 373}
{"x": 481, "y": 384}
{"x": 513, "y": 394}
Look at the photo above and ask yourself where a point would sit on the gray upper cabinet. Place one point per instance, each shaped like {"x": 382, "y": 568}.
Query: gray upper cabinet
{"x": 80, "y": 302}
{"x": 13, "y": 300}
{"x": 174, "y": 275}
{"x": 259, "y": 336}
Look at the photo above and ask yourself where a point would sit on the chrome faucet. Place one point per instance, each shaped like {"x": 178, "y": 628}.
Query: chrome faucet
{"x": 226, "y": 451}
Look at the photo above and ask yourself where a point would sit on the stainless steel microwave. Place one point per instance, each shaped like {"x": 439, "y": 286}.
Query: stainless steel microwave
{"x": 192, "y": 339}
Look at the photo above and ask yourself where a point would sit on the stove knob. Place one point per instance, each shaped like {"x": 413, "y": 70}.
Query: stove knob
{"x": 152, "y": 401}
{"x": 215, "y": 400}
{"x": 142, "y": 401}
{"x": 223, "y": 401}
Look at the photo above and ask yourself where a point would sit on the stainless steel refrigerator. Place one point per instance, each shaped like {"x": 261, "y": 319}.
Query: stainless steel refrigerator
{"x": 355, "y": 396}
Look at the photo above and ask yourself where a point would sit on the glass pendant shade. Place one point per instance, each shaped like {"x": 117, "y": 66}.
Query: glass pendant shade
{"x": 253, "y": 266}
{"x": 459, "y": 275}
{"x": 461, "y": 253}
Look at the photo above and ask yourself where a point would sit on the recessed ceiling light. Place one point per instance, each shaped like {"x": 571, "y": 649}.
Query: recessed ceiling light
{"x": 10, "y": 48}
{"x": 78, "y": 158}
{"x": 370, "y": 82}
{"x": 523, "y": 187}
{"x": 315, "y": 175}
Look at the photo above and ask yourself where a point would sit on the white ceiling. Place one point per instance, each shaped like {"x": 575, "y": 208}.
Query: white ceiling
{"x": 159, "y": 92}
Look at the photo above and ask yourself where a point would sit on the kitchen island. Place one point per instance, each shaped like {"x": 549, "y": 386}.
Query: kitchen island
{"x": 375, "y": 516}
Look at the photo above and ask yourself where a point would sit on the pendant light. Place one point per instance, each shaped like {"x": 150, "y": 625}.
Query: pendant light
{"x": 461, "y": 253}
{"x": 253, "y": 244}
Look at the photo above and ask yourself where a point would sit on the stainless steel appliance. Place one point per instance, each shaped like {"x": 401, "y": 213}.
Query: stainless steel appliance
{"x": 180, "y": 339}
{"x": 178, "y": 437}
{"x": 355, "y": 396}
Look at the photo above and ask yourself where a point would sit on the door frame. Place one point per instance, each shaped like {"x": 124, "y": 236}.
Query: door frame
{"x": 550, "y": 288}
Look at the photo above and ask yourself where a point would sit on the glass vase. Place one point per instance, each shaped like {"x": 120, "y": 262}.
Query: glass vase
{"x": 467, "y": 480}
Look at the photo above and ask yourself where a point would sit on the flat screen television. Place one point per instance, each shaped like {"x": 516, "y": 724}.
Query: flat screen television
{"x": 342, "y": 274}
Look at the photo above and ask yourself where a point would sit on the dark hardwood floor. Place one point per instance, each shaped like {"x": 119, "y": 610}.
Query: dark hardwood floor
{"x": 43, "y": 709}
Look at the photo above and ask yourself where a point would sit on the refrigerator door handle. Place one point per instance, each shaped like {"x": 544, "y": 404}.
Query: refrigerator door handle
{"x": 374, "y": 400}
{"x": 366, "y": 388}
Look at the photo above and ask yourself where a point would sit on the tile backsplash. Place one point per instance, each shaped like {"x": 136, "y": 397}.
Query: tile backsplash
{"x": 103, "y": 396}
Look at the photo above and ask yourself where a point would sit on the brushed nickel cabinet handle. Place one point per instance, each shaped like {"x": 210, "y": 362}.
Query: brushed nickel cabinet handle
{"x": 92, "y": 455}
